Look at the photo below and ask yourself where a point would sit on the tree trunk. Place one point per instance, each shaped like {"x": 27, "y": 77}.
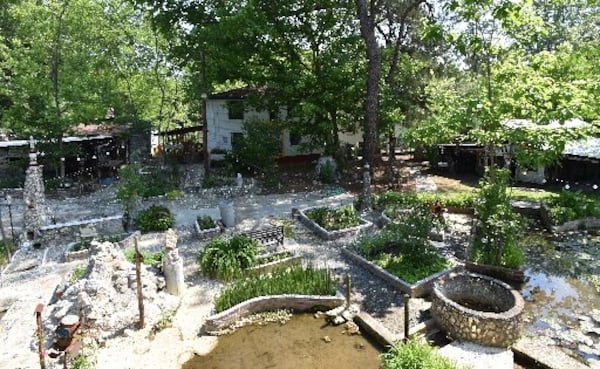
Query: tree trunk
{"x": 367, "y": 31}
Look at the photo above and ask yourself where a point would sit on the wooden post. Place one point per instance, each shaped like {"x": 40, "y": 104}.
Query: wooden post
{"x": 138, "y": 275}
{"x": 406, "y": 318}
{"x": 40, "y": 334}
{"x": 348, "y": 289}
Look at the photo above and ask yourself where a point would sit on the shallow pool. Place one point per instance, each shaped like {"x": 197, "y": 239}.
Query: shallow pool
{"x": 302, "y": 343}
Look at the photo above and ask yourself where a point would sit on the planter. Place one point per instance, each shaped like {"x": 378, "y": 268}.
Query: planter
{"x": 478, "y": 308}
{"x": 330, "y": 235}
{"x": 514, "y": 277}
{"x": 573, "y": 225}
{"x": 268, "y": 267}
{"x": 205, "y": 234}
{"x": 69, "y": 255}
{"x": 418, "y": 289}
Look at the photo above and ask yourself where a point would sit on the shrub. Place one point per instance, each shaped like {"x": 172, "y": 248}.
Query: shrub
{"x": 327, "y": 172}
{"x": 571, "y": 205}
{"x": 294, "y": 280}
{"x": 206, "y": 222}
{"x": 390, "y": 202}
{"x": 148, "y": 258}
{"x": 334, "y": 219}
{"x": 227, "y": 259}
{"x": 156, "y": 218}
{"x": 500, "y": 228}
{"x": 211, "y": 181}
{"x": 257, "y": 150}
{"x": 414, "y": 354}
{"x": 77, "y": 273}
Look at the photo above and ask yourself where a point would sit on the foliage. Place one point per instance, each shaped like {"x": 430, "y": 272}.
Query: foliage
{"x": 294, "y": 280}
{"x": 227, "y": 259}
{"x": 148, "y": 258}
{"x": 156, "y": 218}
{"x": 572, "y": 205}
{"x": 206, "y": 222}
{"x": 327, "y": 172}
{"x": 334, "y": 219}
{"x": 403, "y": 247}
{"x": 82, "y": 361}
{"x": 414, "y": 354}
{"x": 258, "y": 148}
{"x": 165, "y": 320}
{"x": 174, "y": 194}
{"x": 77, "y": 273}
{"x": 391, "y": 202}
{"x": 211, "y": 181}
{"x": 5, "y": 248}
{"x": 500, "y": 228}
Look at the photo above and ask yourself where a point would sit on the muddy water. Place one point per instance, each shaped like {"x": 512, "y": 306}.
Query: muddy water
{"x": 298, "y": 344}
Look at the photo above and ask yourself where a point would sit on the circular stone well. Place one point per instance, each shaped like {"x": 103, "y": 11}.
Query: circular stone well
{"x": 478, "y": 308}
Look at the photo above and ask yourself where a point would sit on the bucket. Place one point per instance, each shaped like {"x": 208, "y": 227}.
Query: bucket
{"x": 227, "y": 213}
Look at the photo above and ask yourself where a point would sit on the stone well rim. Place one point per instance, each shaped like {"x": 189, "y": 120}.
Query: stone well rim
{"x": 516, "y": 309}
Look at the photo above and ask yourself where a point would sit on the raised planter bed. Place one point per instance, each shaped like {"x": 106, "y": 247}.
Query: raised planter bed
{"x": 573, "y": 225}
{"x": 70, "y": 255}
{"x": 419, "y": 289}
{"x": 330, "y": 235}
{"x": 268, "y": 267}
{"x": 297, "y": 303}
{"x": 205, "y": 234}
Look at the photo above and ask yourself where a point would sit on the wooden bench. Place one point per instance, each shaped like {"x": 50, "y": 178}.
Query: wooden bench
{"x": 271, "y": 236}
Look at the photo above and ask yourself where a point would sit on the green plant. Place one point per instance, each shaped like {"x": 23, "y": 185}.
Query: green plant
{"x": 227, "y": 259}
{"x": 174, "y": 194}
{"x": 206, "y": 222}
{"x": 499, "y": 229}
{"x": 211, "y": 181}
{"x": 82, "y": 361}
{"x": 165, "y": 320}
{"x": 154, "y": 218}
{"x": 6, "y": 248}
{"x": 257, "y": 150}
{"x": 327, "y": 172}
{"x": 293, "y": 280}
{"x": 148, "y": 258}
{"x": 334, "y": 219}
{"x": 403, "y": 249}
{"x": 414, "y": 354}
{"x": 571, "y": 205}
{"x": 77, "y": 273}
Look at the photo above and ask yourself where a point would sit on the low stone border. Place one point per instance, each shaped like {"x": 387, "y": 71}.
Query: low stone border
{"x": 205, "y": 234}
{"x": 76, "y": 255}
{"x": 268, "y": 267}
{"x": 418, "y": 289}
{"x": 514, "y": 277}
{"x": 70, "y": 230}
{"x": 325, "y": 234}
{"x": 587, "y": 223}
{"x": 299, "y": 303}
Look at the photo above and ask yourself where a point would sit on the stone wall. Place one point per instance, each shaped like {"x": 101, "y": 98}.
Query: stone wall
{"x": 70, "y": 231}
{"x": 500, "y": 328}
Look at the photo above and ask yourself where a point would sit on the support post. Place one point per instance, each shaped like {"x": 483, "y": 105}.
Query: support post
{"x": 138, "y": 276}
{"x": 40, "y": 333}
{"x": 348, "y": 289}
{"x": 406, "y": 317}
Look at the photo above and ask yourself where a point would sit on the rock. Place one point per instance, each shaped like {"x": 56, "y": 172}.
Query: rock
{"x": 338, "y": 320}
{"x": 351, "y": 328}
{"x": 326, "y": 339}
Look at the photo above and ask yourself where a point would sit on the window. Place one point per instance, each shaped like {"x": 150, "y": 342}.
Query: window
{"x": 235, "y": 109}
{"x": 294, "y": 138}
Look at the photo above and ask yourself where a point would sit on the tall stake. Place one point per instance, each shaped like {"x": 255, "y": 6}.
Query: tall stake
{"x": 406, "y": 318}
{"x": 138, "y": 275}
{"x": 348, "y": 289}
{"x": 40, "y": 334}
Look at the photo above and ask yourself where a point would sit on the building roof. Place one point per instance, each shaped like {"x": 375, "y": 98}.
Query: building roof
{"x": 238, "y": 93}
{"x": 573, "y": 123}
{"x": 587, "y": 148}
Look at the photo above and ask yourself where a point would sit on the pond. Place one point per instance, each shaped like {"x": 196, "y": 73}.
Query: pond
{"x": 562, "y": 292}
{"x": 302, "y": 343}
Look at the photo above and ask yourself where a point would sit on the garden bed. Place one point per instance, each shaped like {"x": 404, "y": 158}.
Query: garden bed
{"x": 205, "y": 234}
{"x": 420, "y": 288}
{"x": 277, "y": 260}
{"x": 572, "y": 225}
{"x": 331, "y": 234}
